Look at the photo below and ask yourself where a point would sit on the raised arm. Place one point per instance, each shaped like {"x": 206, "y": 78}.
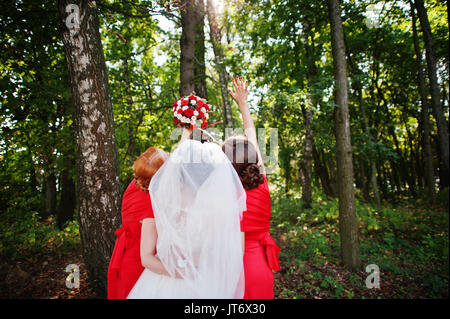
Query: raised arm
{"x": 240, "y": 95}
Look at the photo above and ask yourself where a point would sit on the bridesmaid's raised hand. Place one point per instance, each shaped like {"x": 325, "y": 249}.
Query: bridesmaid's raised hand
{"x": 240, "y": 92}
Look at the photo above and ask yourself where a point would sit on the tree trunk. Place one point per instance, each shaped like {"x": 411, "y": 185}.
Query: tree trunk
{"x": 216, "y": 40}
{"x": 357, "y": 85}
{"x": 67, "y": 202}
{"x": 307, "y": 158}
{"x": 372, "y": 163}
{"x": 348, "y": 222}
{"x": 426, "y": 144}
{"x": 308, "y": 114}
{"x": 434, "y": 87}
{"x": 285, "y": 157}
{"x": 187, "y": 47}
{"x": 364, "y": 179}
{"x": 98, "y": 189}
{"x": 322, "y": 172}
{"x": 50, "y": 194}
{"x": 199, "y": 51}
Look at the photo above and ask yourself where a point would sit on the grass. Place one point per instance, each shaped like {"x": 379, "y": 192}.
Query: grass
{"x": 407, "y": 241}
{"x": 405, "y": 238}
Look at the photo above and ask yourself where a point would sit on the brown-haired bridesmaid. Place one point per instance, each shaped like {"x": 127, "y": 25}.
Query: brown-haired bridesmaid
{"x": 261, "y": 252}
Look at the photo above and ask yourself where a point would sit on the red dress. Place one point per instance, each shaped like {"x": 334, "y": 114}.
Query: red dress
{"x": 125, "y": 265}
{"x": 261, "y": 252}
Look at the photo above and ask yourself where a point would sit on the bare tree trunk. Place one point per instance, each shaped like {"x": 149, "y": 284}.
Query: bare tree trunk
{"x": 357, "y": 85}
{"x": 308, "y": 114}
{"x": 199, "y": 51}
{"x": 434, "y": 87}
{"x": 322, "y": 172}
{"x": 98, "y": 189}
{"x": 187, "y": 47}
{"x": 216, "y": 39}
{"x": 50, "y": 194}
{"x": 373, "y": 165}
{"x": 426, "y": 145}
{"x": 364, "y": 179}
{"x": 307, "y": 158}
{"x": 348, "y": 222}
{"x": 67, "y": 202}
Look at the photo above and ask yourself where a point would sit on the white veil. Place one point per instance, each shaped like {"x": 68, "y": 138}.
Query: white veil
{"x": 198, "y": 200}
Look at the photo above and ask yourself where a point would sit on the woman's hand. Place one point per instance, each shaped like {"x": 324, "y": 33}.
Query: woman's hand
{"x": 241, "y": 90}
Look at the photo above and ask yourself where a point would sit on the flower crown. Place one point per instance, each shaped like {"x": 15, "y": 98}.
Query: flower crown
{"x": 188, "y": 110}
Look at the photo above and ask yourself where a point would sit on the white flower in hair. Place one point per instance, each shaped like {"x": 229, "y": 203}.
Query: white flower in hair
{"x": 193, "y": 102}
{"x": 179, "y": 103}
{"x": 184, "y": 108}
{"x": 193, "y": 119}
{"x": 178, "y": 107}
{"x": 203, "y": 109}
{"x": 179, "y": 116}
{"x": 195, "y": 113}
{"x": 207, "y": 115}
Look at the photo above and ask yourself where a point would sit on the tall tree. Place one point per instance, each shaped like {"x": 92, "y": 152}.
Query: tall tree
{"x": 98, "y": 189}
{"x": 348, "y": 222}
{"x": 311, "y": 73}
{"x": 187, "y": 46}
{"x": 434, "y": 86}
{"x": 215, "y": 33}
{"x": 200, "y": 50}
{"x": 426, "y": 144}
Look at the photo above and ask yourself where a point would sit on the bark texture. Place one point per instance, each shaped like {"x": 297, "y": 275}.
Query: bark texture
{"x": 348, "y": 222}
{"x": 98, "y": 189}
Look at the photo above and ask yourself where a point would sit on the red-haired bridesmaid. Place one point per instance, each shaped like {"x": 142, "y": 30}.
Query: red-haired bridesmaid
{"x": 261, "y": 252}
{"x": 125, "y": 265}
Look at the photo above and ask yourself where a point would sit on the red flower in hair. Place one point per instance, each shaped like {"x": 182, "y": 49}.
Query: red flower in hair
{"x": 189, "y": 112}
{"x": 175, "y": 121}
{"x": 184, "y": 102}
{"x": 200, "y": 115}
{"x": 200, "y": 103}
{"x": 192, "y": 97}
{"x": 180, "y": 111}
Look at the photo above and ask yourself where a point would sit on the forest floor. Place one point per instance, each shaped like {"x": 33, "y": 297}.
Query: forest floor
{"x": 44, "y": 277}
{"x": 409, "y": 243}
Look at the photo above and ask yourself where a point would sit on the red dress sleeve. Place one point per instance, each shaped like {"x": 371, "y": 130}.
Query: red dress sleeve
{"x": 144, "y": 210}
{"x": 136, "y": 204}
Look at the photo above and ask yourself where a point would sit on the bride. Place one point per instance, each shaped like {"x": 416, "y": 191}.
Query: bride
{"x": 193, "y": 246}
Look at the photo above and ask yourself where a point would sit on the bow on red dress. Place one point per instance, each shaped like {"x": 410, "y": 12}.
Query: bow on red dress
{"x": 272, "y": 251}
{"x": 122, "y": 233}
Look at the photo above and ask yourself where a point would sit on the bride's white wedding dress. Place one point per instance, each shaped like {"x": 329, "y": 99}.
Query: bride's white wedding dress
{"x": 197, "y": 201}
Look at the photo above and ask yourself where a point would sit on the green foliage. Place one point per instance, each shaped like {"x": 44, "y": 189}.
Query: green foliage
{"x": 408, "y": 242}
{"x": 24, "y": 235}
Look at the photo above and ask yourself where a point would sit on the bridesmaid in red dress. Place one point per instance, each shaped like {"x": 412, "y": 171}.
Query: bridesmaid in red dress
{"x": 261, "y": 252}
{"x": 125, "y": 265}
